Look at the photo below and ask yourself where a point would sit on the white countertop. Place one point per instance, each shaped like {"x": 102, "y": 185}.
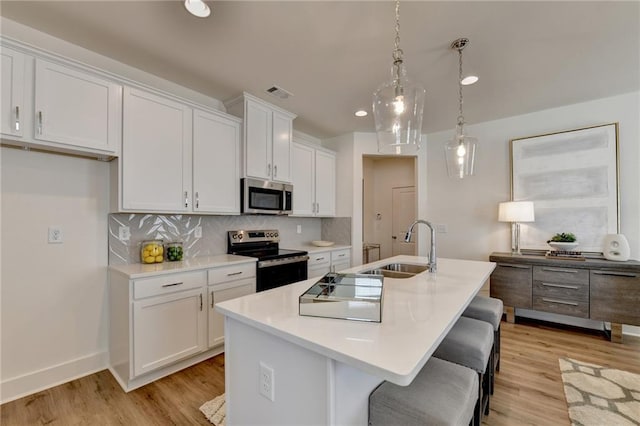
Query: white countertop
{"x": 314, "y": 249}
{"x": 139, "y": 270}
{"x": 417, "y": 314}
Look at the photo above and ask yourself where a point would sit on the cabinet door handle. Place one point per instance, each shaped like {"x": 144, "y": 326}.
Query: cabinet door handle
{"x": 567, "y": 271}
{"x": 562, "y": 302}
{"x": 234, "y": 273}
{"x": 17, "y": 125}
{"x": 275, "y": 170}
{"x": 197, "y": 200}
{"x": 39, "y": 122}
{"x": 171, "y": 285}
{"x": 186, "y": 199}
{"x": 509, "y": 265}
{"x": 572, "y": 287}
{"x": 201, "y": 301}
{"x": 212, "y": 298}
{"x": 616, "y": 274}
{"x": 268, "y": 169}
{"x": 317, "y": 207}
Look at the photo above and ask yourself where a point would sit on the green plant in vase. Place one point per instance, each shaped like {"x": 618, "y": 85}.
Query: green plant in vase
{"x": 564, "y": 241}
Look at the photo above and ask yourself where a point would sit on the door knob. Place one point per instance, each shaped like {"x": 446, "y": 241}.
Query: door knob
{"x": 394, "y": 237}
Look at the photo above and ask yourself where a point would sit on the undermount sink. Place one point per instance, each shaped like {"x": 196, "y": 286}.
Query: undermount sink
{"x": 397, "y": 270}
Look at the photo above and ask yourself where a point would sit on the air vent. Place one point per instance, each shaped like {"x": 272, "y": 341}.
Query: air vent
{"x": 278, "y": 92}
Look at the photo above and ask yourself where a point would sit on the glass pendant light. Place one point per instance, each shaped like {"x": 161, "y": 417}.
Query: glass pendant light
{"x": 398, "y": 105}
{"x": 460, "y": 151}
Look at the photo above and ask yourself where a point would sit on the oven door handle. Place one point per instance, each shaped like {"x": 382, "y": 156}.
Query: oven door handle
{"x": 278, "y": 262}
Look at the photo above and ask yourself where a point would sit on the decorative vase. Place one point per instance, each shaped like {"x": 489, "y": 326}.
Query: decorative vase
{"x": 616, "y": 247}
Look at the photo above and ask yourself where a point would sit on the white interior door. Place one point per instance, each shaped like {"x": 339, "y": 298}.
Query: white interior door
{"x": 403, "y": 215}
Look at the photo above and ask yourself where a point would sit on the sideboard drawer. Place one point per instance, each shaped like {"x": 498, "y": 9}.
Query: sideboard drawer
{"x": 168, "y": 283}
{"x": 615, "y": 296}
{"x": 568, "y": 291}
{"x": 560, "y": 275}
{"x": 574, "y": 308}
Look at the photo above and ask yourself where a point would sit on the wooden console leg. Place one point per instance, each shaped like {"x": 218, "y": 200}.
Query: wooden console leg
{"x": 616, "y": 332}
{"x": 511, "y": 314}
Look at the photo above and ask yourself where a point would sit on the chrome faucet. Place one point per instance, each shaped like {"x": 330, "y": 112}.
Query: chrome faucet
{"x": 432, "y": 254}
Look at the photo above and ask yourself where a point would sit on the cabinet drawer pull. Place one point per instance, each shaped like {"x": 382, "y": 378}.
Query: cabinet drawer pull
{"x": 568, "y": 271}
{"x": 200, "y": 301}
{"x": 171, "y": 285}
{"x": 562, "y": 302}
{"x": 342, "y": 255}
{"x": 234, "y": 273}
{"x": 509, "y": 265}
{"x": 572, "y": 287}
{"x": 17, "y": 126}
{"x": 616, "y": 274}
{"x": 212, "y": 299}
{"x": 319, "y": 258}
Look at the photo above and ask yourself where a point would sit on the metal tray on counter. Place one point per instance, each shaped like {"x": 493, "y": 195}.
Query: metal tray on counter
{"x": 355, "y": 297}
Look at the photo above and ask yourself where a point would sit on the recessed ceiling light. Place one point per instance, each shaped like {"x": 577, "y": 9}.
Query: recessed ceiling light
{"x": 468, "y": 80}
{"x": 197, "y": 8}
{"x": 361, "y": 113}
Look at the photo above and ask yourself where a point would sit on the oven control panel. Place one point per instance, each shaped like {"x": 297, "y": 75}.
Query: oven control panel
{"x": 271, "y": 235}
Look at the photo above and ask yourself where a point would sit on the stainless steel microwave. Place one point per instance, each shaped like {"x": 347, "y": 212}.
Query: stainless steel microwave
{"x": 259, "y": 196}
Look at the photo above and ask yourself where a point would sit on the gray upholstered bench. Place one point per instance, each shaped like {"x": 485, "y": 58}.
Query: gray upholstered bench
{"x": 442, "y": 393}
{"x": 470, "y": 343}
{"x": 488, "y": 309}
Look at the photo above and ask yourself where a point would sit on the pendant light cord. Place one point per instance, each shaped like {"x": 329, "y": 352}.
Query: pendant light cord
{"x": 460, "y": 116}
{"x": 397, "y": 52}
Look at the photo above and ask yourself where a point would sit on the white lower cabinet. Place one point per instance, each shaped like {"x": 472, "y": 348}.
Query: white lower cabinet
{"x": 167, "y": 329}
{"x": 163, "y": 322}
{"x": 227, "y": 283}
{"x": 340, "y": 260}
{"x": 319, "y": 263}
{"x": 323, "y": 262}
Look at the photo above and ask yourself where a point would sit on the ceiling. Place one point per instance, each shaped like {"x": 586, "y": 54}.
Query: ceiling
{"x": 333, "y": 54}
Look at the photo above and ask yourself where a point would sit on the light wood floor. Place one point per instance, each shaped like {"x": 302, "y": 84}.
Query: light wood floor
{"x": 528, "y": 387}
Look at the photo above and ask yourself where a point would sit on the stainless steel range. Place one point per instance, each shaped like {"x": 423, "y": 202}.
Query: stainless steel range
{"x": 275, "y": 267}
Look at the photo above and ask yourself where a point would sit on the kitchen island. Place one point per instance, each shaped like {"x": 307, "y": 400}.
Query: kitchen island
{"x": 282, "y": 368}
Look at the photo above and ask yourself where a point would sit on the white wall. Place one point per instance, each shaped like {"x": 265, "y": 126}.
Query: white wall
{"x": 54, "y": 296}
{"x": 470, "y": 207}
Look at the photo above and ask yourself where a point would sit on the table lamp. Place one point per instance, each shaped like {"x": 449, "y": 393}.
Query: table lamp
{"x": 515, "y": 212}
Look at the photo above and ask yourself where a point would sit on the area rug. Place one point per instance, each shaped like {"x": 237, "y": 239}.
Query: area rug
{"x": 599, "y": 395}
{"x": 215, "y": 410}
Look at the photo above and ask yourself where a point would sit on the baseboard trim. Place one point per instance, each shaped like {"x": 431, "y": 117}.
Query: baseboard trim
{"x": 36, "y": 381}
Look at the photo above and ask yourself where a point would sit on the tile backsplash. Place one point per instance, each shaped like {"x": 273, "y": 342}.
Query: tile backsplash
{"x": 170, "y": 228}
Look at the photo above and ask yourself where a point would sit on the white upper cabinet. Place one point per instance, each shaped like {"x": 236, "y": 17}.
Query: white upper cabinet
{"x": 303, "y": 168}
{"x": 56, "y": 105}
{"x": 267, "y": 138}
{"x": 13, "y": 105}
{"x": 314, "y": 181}
{"x": 156, "y": 153}
{"x": 177, "y": 159}
{"x": 77, "y": 108}
{"x": 216, "y": 163}
{"x": 325, "y": 183}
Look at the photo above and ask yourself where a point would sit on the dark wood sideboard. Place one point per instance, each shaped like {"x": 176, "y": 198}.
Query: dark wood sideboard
{"x": 597, "y": 289}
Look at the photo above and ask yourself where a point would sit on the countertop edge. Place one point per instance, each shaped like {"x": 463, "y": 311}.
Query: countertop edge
{"x": 138, "y": 270}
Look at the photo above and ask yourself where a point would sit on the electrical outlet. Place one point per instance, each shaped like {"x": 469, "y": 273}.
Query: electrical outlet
{"x": 267, "y": 387}
{"x": 299, "y": 229}
{"x": 198, "y": 232}
{"x": 441, "y": 228}
{"x": 124, "y": 233}
{"x": 55, "y": 235}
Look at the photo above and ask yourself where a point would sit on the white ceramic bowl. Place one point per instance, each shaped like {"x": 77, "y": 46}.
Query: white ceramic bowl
{"x": 563, "y": 246}
{"x": 320, "y": 243}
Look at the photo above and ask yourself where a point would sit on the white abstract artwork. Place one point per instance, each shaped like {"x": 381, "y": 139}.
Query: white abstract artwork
{"x": 572, "y": 178}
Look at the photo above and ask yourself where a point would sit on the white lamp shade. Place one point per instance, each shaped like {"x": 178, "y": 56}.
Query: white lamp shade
{"x": 516, "y": 211}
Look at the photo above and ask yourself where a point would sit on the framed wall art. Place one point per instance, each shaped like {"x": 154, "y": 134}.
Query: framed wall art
{"x": 572, "y": 178}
